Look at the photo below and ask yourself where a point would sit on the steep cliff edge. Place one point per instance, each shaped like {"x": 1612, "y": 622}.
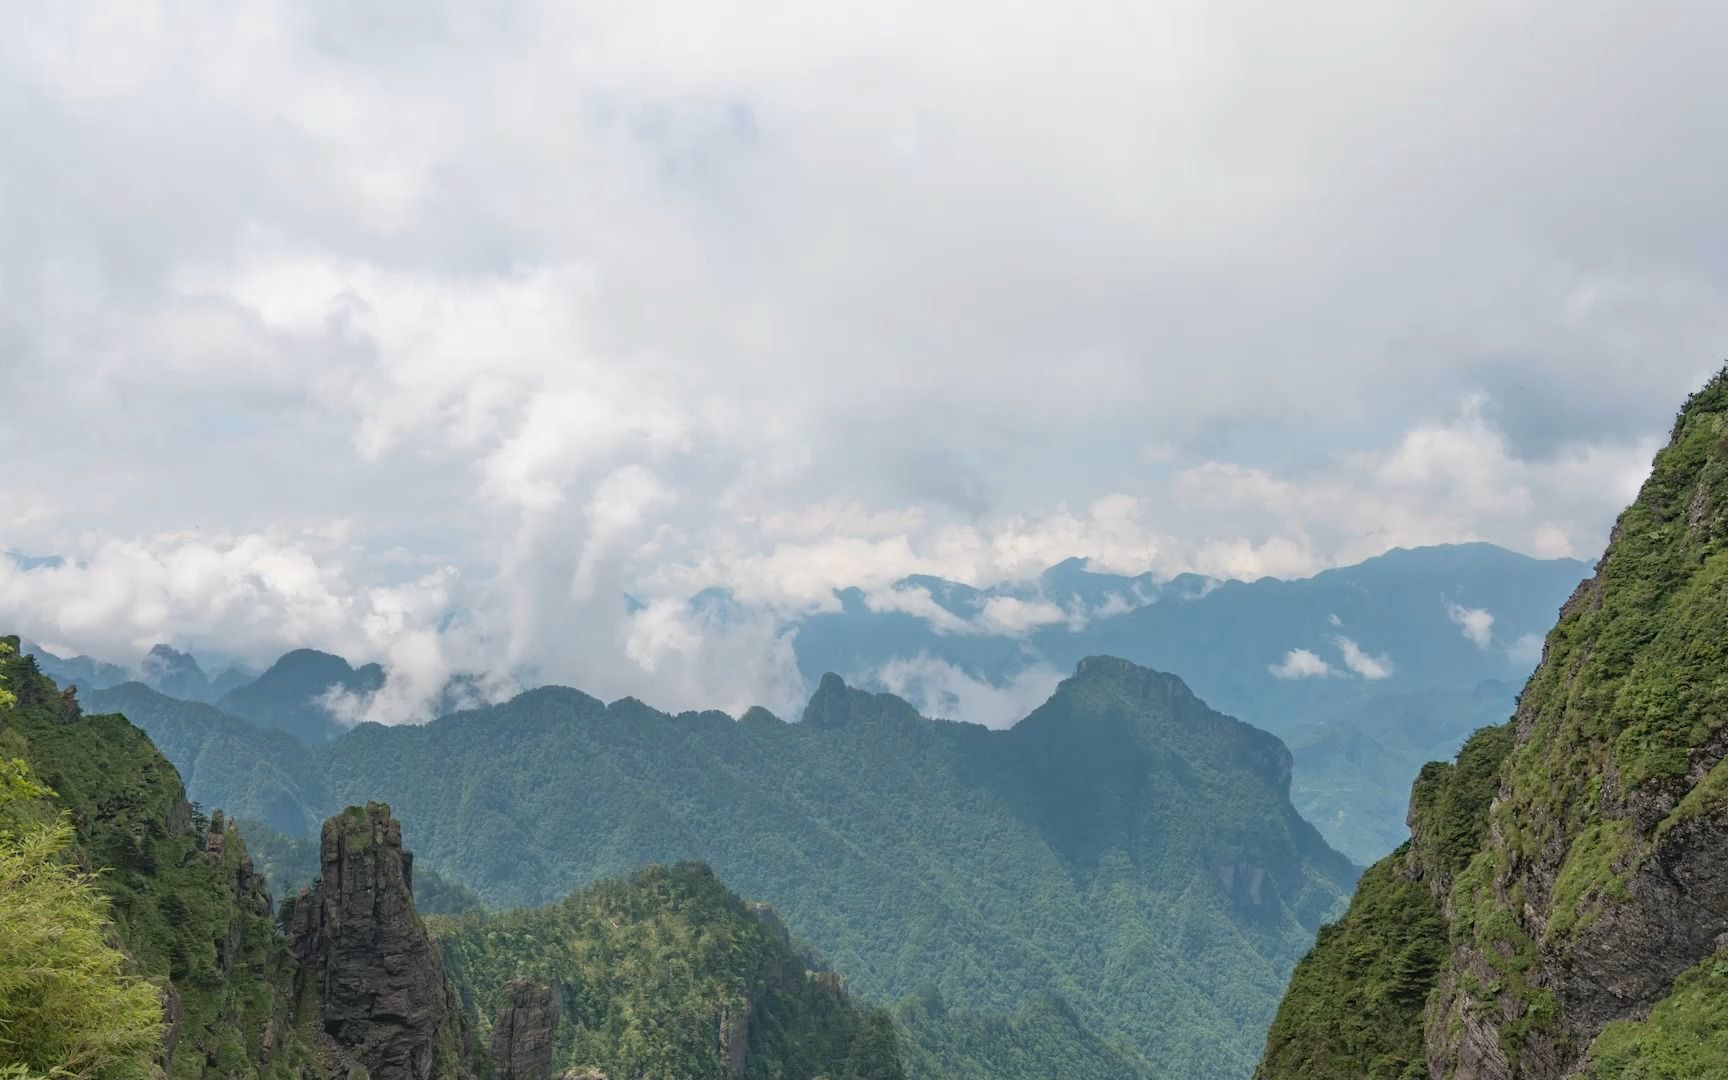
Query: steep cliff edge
{"x": 524, "y": 1031}
{"x": 190, "y": 912}
{"x": 363, "y": 950}
{"x": 1564, "y": 912}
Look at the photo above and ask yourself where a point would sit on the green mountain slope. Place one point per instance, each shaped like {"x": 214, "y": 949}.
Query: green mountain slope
{"x": 647, "y": 970}
{"x": 288, "y": 697}
{"x": 1044, "y": 1038}
{"x": 658, "y": 972}
{"x": 1562, "y": 913}
{"x": 1124, "y": 846}
{"x": 254, "y": 773}
{"x": 189, "y": 912}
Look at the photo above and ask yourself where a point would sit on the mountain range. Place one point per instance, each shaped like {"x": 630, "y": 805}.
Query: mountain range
{"x": 1123, "y": 846}
{"x": 1439, "y": 637}
{"x": 664, "y": 973}
{"x": 1116, "y": 885}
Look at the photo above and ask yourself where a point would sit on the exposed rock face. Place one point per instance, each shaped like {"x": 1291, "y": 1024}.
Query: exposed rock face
{"x": 522, "y": 1037}
{"x": 173, "y": 1011}
{"x": 734, "y": 1039}
{"x": 381, "y": 983}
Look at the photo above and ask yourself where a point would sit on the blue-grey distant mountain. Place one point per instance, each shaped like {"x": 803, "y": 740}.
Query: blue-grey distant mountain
{"x": 175, "y": 673}
{"x": 1400, "y": 609}
{"x": 231, "y": 678}
{"x": 293, "y": 694}
{"x": 84, "y": 672}
{"x": 1396, "y": 659}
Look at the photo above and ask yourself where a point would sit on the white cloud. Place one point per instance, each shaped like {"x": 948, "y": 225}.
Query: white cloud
{"x": 916, "y": 600}
{"x": 940, "y": 689}
{"x": 1014, "y": 617}
{"x": 695, "y": 658}
{"x": 575, "y": 306}
{"x": 1359, "y": 661}
{"x": 1477, "y": 624}
{"x": 1526, "y": 650}
{"x": 1301, "y": 664}
{"x": 1552, "y": 542}
{"x": 1448, "y": 481}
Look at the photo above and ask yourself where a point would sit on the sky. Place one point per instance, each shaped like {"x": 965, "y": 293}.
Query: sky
{"x": 428, "y": 331}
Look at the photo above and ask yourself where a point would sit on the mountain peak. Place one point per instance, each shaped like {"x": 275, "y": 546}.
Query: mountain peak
{"x": 836, "y": 705}
{"x": 1130, "y": 678}
{"x": 175, "y": 673}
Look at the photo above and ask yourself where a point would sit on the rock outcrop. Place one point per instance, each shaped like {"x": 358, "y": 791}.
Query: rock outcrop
{"x": 380, "y": 982}
{"x": 523, "y": 1034}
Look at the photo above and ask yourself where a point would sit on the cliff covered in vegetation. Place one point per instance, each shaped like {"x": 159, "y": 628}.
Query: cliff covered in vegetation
{"x": 139, "y": 938}
{"x": 1561, "y": 908}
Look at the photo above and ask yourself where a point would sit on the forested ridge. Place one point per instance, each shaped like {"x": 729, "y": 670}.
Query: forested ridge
{"x": 1123, "y": 847}
{"x": 138, "y": 938}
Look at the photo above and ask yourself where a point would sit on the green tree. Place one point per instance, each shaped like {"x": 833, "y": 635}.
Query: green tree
{"x": 68, "y": 1009}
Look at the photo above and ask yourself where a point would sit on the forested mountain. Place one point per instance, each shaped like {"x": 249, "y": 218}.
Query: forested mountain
{"x": 1402, "y": 655}
{"x": 1561, "y": 907}
{"x": 1044, "y": 1038}
{"x": 292, "y": 695}
{"x": 1440, "y": 637}
{"x": 668, "y": 974}
{"x": 636, "y": 978}
{"x": 1123, "y": 846}
{"x": 192, "y": 917}
{"x": 1449, "y": 616}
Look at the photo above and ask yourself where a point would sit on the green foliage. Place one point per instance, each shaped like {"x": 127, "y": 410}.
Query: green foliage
{"x": 1354, "y": 1007}
{"x": 185, "y": 919}
{"x": 939, "y": 1043}
{"x": 652, "y": 969}
{"x": 1124, "y": 846}
{"x": 1449, "y": 803}
{"x": 7, "y": 698}
{"x": 68, "y": 1007}
{"x": 1637, "y": 672}
{"x": 1353, "y": 1010}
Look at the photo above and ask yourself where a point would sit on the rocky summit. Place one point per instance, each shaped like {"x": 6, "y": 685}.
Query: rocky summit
{"x": 379, "y": 979}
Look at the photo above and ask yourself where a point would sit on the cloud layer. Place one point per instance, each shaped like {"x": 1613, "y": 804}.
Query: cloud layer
{"x": 427, "y": 333}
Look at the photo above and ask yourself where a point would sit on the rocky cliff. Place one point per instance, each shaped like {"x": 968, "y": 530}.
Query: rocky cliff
{"x": 363, "y": 950}
{"x": 523, "y": 1033}
{"x": 1562, "y": 907}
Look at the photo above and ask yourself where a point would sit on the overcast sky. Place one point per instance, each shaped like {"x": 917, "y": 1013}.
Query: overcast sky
{"x": 320, "y": 322}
